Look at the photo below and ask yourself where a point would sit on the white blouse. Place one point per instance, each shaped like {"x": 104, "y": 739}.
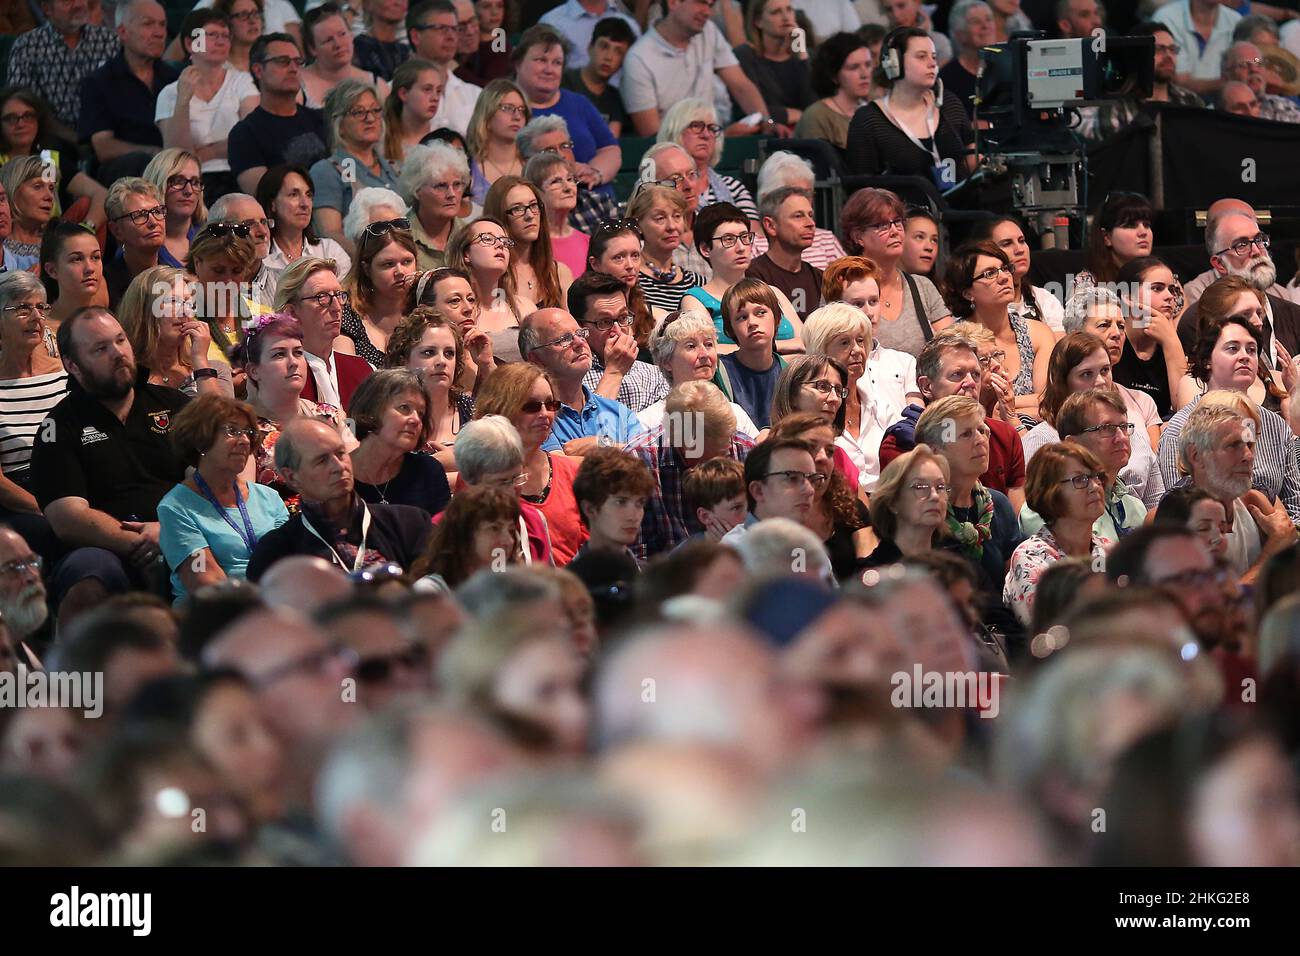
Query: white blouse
{"x": 210, "y": 121}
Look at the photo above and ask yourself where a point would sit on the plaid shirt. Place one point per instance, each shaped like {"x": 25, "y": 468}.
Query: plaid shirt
{"x": 42, "y": 62}
{"x": 667, "y": 522}
{"x": 642, "y": 386}
{"x": 1279, "y": 109}
{"x": 593, "y": 208}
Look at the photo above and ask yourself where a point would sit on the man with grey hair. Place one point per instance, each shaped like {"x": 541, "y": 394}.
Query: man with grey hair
{"x": 779, "y": 547}
{"x": 550, "y": 134}
{"x": 782, "y": 169}
{"x": 491, "y": 595}
{"x": 971, "y": 25}
{"x": 333, "y": 523}
{"x": 786, "y": 217}
{"x": 242, "y": 209}
{"x": 1244, "y": 62}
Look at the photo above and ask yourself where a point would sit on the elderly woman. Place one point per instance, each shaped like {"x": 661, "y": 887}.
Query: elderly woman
{"x": 175, "y": 173}
{"x": 539, "y": 70}
{"x": 555, "y": 177}
{"x": 872, "y": 224}
{"x": 72, "y": 268}
{"x": 327, "y": 40}
{"x": 489, "y": 453}
{"x": 31, "y": 203}
{"x": 288, "y": 196}
{"x": 1233, "y": 295}
{"x": 1080, "y": 362}
{"x": 786, "y": 170}
{"x": 434, "y": 180}
{"x": 685, "y": 347}
{"x": 1065, "y": 486}
{"x": 157, "y": 314}
{"x": 1121, "y": 232}
{"x": 775, "y": 62}
{"x": 1030, "y": 302}
{"x": 31, "y": 383}
{"x": 816, "y": 385}
{"x": 909, "y": 506}
{"x": 389, "y": 414}
{"x": 522, "y": 393}
{"x": 980, "y": 287}
{"x": 480, "y": 530}
{"x": 660, "y": 215}
{"x": 198, "y": 111}
{"x": 841, "y": 76}
{"x": 377, "y": 286}
{"x": 1227, "y": 358}
{"x": 211, "y": 522}
{"x": 370, "y": 205}
{"x": 693, "y": 125}
{"x": 30, "y": 129}
{"x": 354, "y": 117}
{"x": 482, "y": 248}
{"x": 500, "y": 112}
{"x": 518, "y": 204}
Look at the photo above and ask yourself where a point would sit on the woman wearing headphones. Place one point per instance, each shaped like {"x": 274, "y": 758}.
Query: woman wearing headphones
{"x": 913, "y": 130}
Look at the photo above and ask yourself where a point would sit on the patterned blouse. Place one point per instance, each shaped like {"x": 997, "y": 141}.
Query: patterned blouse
{"x": 1031, "y": 558}
{"x": 355, "y": 329}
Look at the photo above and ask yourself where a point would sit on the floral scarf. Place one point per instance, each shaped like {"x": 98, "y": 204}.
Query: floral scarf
{"x": 971, "y": 536}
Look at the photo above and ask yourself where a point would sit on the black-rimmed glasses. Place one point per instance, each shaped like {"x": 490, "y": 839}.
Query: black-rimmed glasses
{"x": 1083, "y": 481}
{"x": 141, "y": 216}
{"x": 1109, "y": 429}
{"x": 1242, "y": 246}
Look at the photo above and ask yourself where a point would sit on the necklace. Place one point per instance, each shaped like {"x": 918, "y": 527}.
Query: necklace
{"x": 661, "y": 275}
{"x": 546, "y": 492}
{"x": 487, "y": 164}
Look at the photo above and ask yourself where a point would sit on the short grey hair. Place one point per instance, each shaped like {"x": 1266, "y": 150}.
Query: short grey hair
{"x": 488, "y": 594}
{"x": 117, "y": 193}
{"x": 769, "y": 204}
{"x": 835, "y": 318}
{"x": 961, "y": 11}
{"x": 341, "y": 99}
{"x": 767, "y": 549}
{"x": 486, "y": 446}
{"x": 1212, "y": 228}
{"x": 219, "y": 211}
{"x": 529, "y": 340}
{"x": 377, "y": 393}
{"x": 780, "y": 169}
{"x": 1247, "y": 27}
{"x": 929, "y": 361}
{"x": 363, "y": 202}
{"x": 527, "y": 137}
{"x": 1081, "y": 304}
{"x": 125, "y": 8}
{"x": 1201, "y": 429}
{"x": 684, "y": 112}
{"x": 539, "y": 167}
{"x": 646, "y": 169}
{"x": 16, "y": 286}
{"x": 427, "y": 164}
{"x": 663, "y": 341}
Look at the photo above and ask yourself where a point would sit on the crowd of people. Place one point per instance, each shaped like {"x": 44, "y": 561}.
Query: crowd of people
{"x": 391, "y": 466}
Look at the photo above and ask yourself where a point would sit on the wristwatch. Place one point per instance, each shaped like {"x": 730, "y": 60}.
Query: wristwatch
{"x": 205, "y": 373}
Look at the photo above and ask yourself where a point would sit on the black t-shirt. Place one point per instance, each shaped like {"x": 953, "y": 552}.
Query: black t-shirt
{"x": 959, "y": 83}
{"x": 786, "y": 84}
{"x": 398, "y": 532}
{"x": 844, "y": 555}
{"x": 1149, "y": 377}
{"x": 608, "y": 104}
{"x": 264, "y": 139}
{"x": 802, "y": 288}
{"x": 421, "y": 483}
{"x": 122, "y": 468}
{"x": 876, "y": 146}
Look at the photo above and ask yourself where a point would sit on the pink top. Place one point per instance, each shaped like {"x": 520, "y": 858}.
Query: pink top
{"x": 572, "y": 251}
{"x": 844, "y": 465}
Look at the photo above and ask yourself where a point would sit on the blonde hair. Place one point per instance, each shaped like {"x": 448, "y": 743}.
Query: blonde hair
{"x": 293, "y": 278}
{"x": 931, "y": 426}
{"x": 644, "y": 202}
{"x": 977, "y": 333}
{"x": 485, "y": 107}
{"x": 117, "y": 193}
{"x": 837, "y": 318}
{"x": 340, "y": 100}
{"x": 137, "y": 313}
{"x": 167, "y": 164}
{"x": 884, "y": 519}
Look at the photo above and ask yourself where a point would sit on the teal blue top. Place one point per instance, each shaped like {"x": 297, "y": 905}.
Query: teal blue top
{"x": 784, "y": 330}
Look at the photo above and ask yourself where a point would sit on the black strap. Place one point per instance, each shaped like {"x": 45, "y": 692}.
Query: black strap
{"x": 922, "y": 319}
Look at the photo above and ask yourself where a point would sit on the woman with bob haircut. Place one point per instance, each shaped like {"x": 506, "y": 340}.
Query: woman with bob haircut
{"x": 909, "y": 506}
{"x": 389, "y": 412}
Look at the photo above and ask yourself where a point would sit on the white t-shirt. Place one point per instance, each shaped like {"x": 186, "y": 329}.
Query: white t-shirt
{"x": 210, "y": 122}
{"x": 277, "y": 14}
{"x": 657, "y": 74}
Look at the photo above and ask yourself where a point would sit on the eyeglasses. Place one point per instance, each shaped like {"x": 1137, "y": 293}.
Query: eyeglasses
{"x": 173, "y": 307}
{"x": 234, "y": 431}
{"x": 446, "y": 29}
{"x": 828, "y": 389}
{"x": 373, "y": 112}
{"x": 1242, "y": 246}
{"x": 20, "y": 566}
{"x": 451, "y": 188}
{"x": 566, "y": 340}
{"x": 250, "y": 223}
{"x": 795, "y": 478}
{"x": 566, "y": 146}
{"x": 324, "y": 299}
{"x": 492, "y": 239}
{"x": 176, "y": 184}
{"x": 997, "y": 356}
{"x": 240, "y": 230}
{"x": 27, "y": 309}
{"x": 1171, "y": 48}
{"x": 988, "y": 275}
{"x": 524, "y": 210}
{"x": 730, "y": 240}
{"x": 379, "y": 668}
{"x": 1108, "y": 430}
{"x": 604, "y": 325}
{"x": 676, "y": 179}
{"x": 534, "y": 406}
{"x": 884, "y": 228}
{"x": 923, "y": 489}
{"x": 13, "y": 119}
{"x": 557, "y": 181}
{"x": 1083, "y": 481}
{"x": 384, "y": 226}
{"x": 518, "y": 481}
{"x": 512, "y": 109}
{"x": 247, "y": 15}
{"x": 141, "y": 216}
{"x": 701, "y": 127}
{"x": 284, "y": 61}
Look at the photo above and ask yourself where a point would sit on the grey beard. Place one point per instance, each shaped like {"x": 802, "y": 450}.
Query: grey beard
{"x": 1226, "y": 489}
{"x": 26, "y": 614}
{"x": 1260, "y": 273}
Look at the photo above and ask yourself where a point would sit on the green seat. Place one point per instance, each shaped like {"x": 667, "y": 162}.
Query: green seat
{"x": 6, "y": 45}
{"x": 736, "y": 152}
{"x": 634, "y": 148}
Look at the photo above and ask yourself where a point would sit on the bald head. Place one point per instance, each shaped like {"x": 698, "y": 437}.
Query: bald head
{"x": 539, "y": 336}
{"x": 304, "y": 584}
{"x": 1240, "y": 99}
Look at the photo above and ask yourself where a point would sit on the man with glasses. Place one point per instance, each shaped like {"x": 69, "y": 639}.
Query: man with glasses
{"x": 950, "y": 365}
{"x": 22, "y": 592}
{"x": 120, "y": 98}
{"x": 550, "y": 134}
{"x": 1102, "y": 122}
{"x": 1244, "y": 62}
{"x": 552, "y": 339}
{"x": 432, "y": 30}
{"x": 781, "y": 481}
{"x": 599, "y": 302}
{"x": 309, "y": 290}
{"x": 279, "y": 130}
{"x": 53, "y": 59}
{"x": 137, "y": 219}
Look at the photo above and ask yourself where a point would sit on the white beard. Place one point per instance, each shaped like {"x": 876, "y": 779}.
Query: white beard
{"x": 1260, "y": 273}
{"x": 26, "y": 615}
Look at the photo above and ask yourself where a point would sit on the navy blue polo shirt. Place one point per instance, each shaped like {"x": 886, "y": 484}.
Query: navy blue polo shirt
{"x": 113, "y": 100}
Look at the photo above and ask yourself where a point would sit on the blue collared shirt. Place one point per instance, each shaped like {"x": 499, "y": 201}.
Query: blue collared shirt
{"x": 574, "y": 22}
{"x": 599, "y": 416}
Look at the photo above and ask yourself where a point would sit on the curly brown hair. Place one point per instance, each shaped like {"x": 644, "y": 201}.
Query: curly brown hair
{"x": 450, "y": 550}
{"x": 411, "y": 330}
{"x": 841, "y": 497}
{"x": 605, "y": 472}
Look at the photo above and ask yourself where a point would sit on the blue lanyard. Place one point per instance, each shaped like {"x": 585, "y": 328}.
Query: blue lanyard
{"x": 246, "y": 534}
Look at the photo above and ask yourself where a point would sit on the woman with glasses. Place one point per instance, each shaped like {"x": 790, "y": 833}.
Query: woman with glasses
{"x": 1030, "y": 301}
{"x": 27, "y": 128}
{"x": 816, "y": 385}
{"x": 693, "y": 125}
{"x": 198, "y": 111}
{"x": 980, "y": 287}
{"x": 660, "y": 216}
{"x": 409, "y": 108}
{"x": 378, "y": 286}
{"x": 685, "y": 347}
{"x": 211, "y": 522}
{"x": 518, "y": 204}
{"x": 389, "y": 412}
{"x": 500, "y": 112}
{"x": 615, "y": 250}
{"x": 908, "y": 507}
{"x": 175, "y": 173}
{"x": 247, "y": 19}
{"x": 482, "y": 248}
{"x": 157, "y": 315}
{"x": 287, "y": 195}
{"x": 72, "y": 269}
{"x": 772, "y": 61}
{"x": 32, "y": 197}
{"x": 523, "y": 394}
{"x": 434, "y": 179}
{"x": 355, "y": 121}
{"x": 1064, "y": 485}
{"x": 873, "y": 225}
{"x": 841, "y": 76}
{"x": 1153, "y": 360}
{"x": 328, "y": 43}
{"x": 725, "y": 238}
{"x": 556, "y": 178}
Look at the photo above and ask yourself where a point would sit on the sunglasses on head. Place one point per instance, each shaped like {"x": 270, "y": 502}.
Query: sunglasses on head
{"x": 385, "y": 226}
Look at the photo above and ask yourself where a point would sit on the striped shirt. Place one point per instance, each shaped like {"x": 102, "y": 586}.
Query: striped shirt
{"x": 668, "y": 295}
{"x": 1277, "y": 473}
{"x": 24, "y": 403}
